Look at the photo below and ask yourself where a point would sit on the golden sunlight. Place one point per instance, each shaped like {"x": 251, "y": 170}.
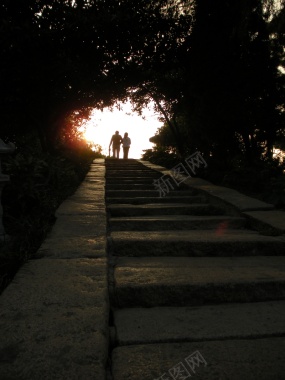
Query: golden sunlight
{"x": 103, "y": 124}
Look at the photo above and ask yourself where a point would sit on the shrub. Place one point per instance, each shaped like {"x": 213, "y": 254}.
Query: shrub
{"x": 161, "y": 157}
{"x": 38, "y": 184}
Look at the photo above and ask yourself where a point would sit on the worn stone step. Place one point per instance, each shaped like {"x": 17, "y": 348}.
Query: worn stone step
{"x": 249, "y": 359}
{"x": 130, "y": 166}
{"x": 134, "y": 166}
{"x": 191, "y": 208}
{"x": 117, "y": 178}
{"x": 218, "y": 242}
{"x": 124, "y": 164}
{"x": 132, "y": 173}
{"x": 130, "y": 180}
{"x": 155, "y": 200}
{"x": 129, "y": 186}
{"x": 127, "y": 167}
{"x": 174, "y": 222}
{"x": 111, "y": 160}
{"x": 199, "y": 323}
{"x": 167, "y": 281}
{"x": 145, "y": 193}
{"x": 131, "y": 193}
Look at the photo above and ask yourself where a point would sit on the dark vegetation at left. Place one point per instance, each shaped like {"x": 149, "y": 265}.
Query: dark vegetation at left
{"x": 39, "y": 182}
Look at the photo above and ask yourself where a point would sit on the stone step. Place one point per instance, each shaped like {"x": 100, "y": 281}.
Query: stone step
{"x": 134, "y": 179}
{"x": 141, "y": 185}
{"x": 130, "y": 180}
{"x": 129, "y": 186}
{"x": 127, "y": 167}
{"x": 132, "y": 173}
{"x": 111, "y": 160}
{"x": 167, "y": 281}
{"x": 145, "y": 193}
{"x": 194, "y": 208}
{"x": 191, "y": 324}
{"x": 174, "y": 222}
{"x": 177, "y": 307}
{"x": 155, "y": 200}
{"x": 218, "y": 242}
{"x": 249, "y": 359}
{"x": 123, "y": 165}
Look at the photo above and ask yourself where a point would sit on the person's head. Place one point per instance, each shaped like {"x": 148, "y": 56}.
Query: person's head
{"x": 126, "y": 134}
{"x": 117, "y": 132}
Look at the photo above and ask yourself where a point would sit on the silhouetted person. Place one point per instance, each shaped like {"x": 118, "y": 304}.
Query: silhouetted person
{"x": 116, "y": 141}
{"x": 126, "y": 141}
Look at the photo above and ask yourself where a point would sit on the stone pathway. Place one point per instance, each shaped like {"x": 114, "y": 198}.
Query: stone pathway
{"x": 190, "y": 285}
{"x": 54, "y": 316}
{"x": 195, "y": 291}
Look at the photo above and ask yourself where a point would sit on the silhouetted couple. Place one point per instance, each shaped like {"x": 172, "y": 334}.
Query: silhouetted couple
{"x": 116, "y": 142}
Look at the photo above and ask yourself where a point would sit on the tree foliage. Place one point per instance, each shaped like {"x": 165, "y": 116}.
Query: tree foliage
{"x": 225, "y": 91}
{"x": 211, "y": 67}
{"x": 62, "y": 56}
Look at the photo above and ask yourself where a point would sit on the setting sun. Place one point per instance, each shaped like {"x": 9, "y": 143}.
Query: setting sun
{"x": 103, "y": 124}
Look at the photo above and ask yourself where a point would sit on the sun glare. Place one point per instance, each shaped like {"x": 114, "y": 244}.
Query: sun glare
{"x": 103, "y": 124}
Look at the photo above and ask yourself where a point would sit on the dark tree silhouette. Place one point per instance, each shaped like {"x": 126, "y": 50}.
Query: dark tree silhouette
{"x": 211, "y": 67}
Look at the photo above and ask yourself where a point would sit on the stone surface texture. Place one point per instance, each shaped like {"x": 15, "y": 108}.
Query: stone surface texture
{"x": 223, "y": 360}
{"x": 197, "y": 284}
{"x": 212, "y": 284}
{"x": 54, "y": 315}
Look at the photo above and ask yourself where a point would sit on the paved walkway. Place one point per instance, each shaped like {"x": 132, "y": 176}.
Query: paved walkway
{"x": 192, "y": 285}
{"x": 54, "y": 316}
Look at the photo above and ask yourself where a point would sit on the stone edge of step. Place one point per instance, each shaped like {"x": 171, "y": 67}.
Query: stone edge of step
{"x": 260, "y": 215}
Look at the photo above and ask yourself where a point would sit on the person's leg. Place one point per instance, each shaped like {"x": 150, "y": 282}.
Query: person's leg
{"x": 115, "y": 150}
{"x": 126, "y": 152}
{"x": 118, "y": 151}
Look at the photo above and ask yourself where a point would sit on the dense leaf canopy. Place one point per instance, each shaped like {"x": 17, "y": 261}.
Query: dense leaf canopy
{"x": 211, "y": 67}
{"x": 227, "y": 90}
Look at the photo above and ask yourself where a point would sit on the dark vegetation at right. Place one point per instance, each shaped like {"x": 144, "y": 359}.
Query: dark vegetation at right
{"x": 225, "y": 98}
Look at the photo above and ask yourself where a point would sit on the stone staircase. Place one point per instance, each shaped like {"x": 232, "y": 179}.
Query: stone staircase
{"x": 194, "y": 291}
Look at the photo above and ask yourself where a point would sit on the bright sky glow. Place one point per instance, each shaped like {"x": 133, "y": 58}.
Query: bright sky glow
{"x": 103, "y": 124}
